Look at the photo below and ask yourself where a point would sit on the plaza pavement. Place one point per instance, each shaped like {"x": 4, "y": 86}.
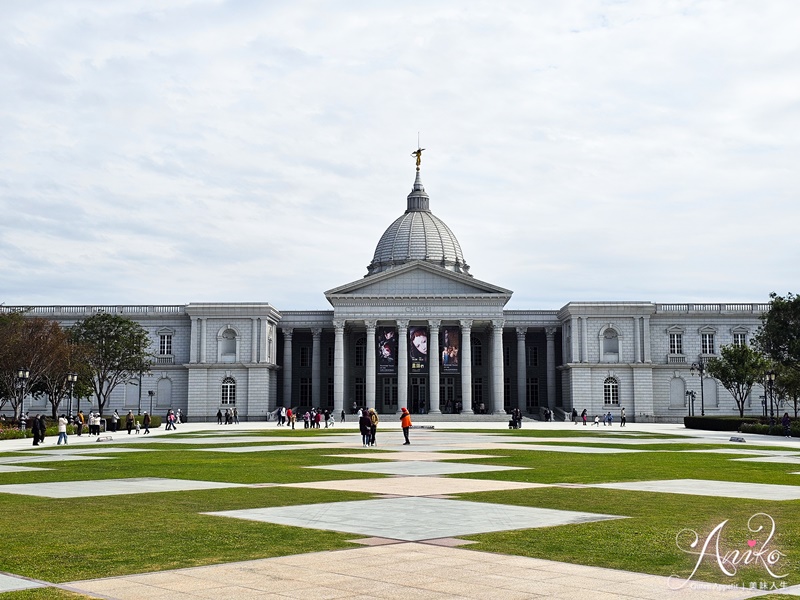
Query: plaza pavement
{"x": 408, "y": 531}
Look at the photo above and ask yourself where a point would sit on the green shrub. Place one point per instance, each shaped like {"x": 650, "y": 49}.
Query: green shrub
{"x": 723, "y": 423}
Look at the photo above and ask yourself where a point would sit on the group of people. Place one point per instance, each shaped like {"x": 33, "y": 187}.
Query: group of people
{"x": 607, "y": 418}
{"x": 368, "y": 420}
{"x": 231, "y": 417}
{"x": 312, "y": 418}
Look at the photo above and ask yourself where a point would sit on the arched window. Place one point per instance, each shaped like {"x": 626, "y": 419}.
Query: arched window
{"x": 610, "y": 345}
{"x": 229, "y": 390}
{"x": 227, "y": 345}
{"x": 611, "y": 392}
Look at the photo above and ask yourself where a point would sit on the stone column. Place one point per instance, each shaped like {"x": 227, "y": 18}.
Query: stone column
{"x": 550, "y": 334}
{"x": 646, "y": 326}
{"x": 338, "y": 367}
{"x": 498, "y": 378}
{"x": 637, "y": 353}
{"x": 584, "y": 340}
{"x": 316, "y": 364}
{"x": 287, "y": 367}
{"x": 263, "y": 344}
{"x": 193, "y": 341}
{"x": 466, "y": 367}
{"x": 370, "y": 379}
{"x": 402, "y": 364}
{"x": 203, "y": 325}
{"x": 575, "y": 341}
{"x": 433, "y": 364}
{"x": 253, "y": 340}
{"x": 522, "y": 371}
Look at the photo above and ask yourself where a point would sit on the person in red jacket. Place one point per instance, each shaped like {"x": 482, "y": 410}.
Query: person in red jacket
{"x": 405, "y": 423}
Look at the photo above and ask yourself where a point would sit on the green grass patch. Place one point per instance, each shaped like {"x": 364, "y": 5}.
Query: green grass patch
{"x": 47, "y": 593}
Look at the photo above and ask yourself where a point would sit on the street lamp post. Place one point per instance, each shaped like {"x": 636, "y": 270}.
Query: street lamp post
{"x": 23, "y": 375}
{"x": 71, "y": 379}
{"x": 770, "y": 383}
{"x": 690, "y": 396}
{"x": 699, "y": 368}
{"x": 151, "y": 393}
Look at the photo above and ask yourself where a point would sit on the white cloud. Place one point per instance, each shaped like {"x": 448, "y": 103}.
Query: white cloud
{"x": 205, "y": 151}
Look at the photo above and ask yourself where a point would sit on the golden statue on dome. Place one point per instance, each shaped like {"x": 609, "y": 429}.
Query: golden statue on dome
{"x": 418, "y": 154}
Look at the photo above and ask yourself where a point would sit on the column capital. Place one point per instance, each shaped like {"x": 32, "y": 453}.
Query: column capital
{"x": 339, "y": 323}
{"x": 498, "y": 323}
{"x": 287, "y": 332}
{"x": 371, "y": 323}
{"x": 402, "y": 323}
{"x": 521, "y": 332}
{"x": 434, "y": 323}
{"x": 316, "y": 332}
{"x": 550, "y": 332}
{"x": 466, "y": 324}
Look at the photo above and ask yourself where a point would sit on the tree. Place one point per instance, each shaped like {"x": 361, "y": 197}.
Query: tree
{"x": 787, "y": 387}
{"x": 779, "y": 335}
{"x": 117, "y": 350}
{"x": 30, "y": 343}
{"x": 738, "y": 368}
{"x": 68, "y": 357}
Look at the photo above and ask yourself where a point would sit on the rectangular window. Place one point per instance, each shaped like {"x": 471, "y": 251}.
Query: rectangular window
{"x": 707, "y": 343}
{"x": 165, "y": 344}
{"x": 676, "y": 343}
{"x": 532, "y": 393}
{"x": 477, "y": 394}
{"x": 305, "y": 391}
{"x": 507, "y": 356}
{"x": 532, "y": 356}
{"x": 330, "y": 392}
{"x": 477, "y": 355}
{"x": 361, "y": 355}
{"x": 361, "y": 391}
{"x": 305, "y": 356}
{"x": 739, "y": 339}
{"x": 507, "y": 394}
{"x": 330, "y": 357}
{"x": 390, "y": 391}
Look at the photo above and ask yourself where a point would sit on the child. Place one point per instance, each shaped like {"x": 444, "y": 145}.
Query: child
{"x": 137, "y": 427}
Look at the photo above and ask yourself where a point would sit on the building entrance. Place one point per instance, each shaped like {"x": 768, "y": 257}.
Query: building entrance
{"x": 418, "y": 395}
{"x": 447, "y": 395}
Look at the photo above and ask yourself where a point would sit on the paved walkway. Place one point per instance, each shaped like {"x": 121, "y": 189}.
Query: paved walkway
{"x": 409, "y": 547}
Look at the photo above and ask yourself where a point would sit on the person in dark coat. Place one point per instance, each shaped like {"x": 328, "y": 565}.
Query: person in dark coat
{"x": 35, "y": 430}
{"x": 42, "y": 428}
{"x": 365, "y": 425}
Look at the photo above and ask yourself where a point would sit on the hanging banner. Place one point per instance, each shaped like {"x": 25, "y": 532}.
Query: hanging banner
{"x": 418, "y": 349}
{"x": 449, "y": 342}
{"x": 387, "y": 350}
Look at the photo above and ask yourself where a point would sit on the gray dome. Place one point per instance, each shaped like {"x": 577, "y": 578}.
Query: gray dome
{"x": 418, "y": 235}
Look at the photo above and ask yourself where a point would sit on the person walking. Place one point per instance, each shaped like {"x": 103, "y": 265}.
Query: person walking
{"x": 146, "y": 423}
{"x": 128, "y": 422}
{"x": 341, "y": 419}
{"x": 235, "y": 416}
{"x": 42, "y": 428}
{"x": 575, "y": 416}
{"x": 787, "y": 425}
{"x": 622, "y": 419}
{"x": 373, "y": 428}
{"x": 81, "y": 420}
{"x": 219, "y": 417}
{"x": 583, "y": 416}
{"x": 115, "y": 421}
{"x": 62, "y": 430}
{"x": 405, "y": 423}
{"x": 35, "y": 429}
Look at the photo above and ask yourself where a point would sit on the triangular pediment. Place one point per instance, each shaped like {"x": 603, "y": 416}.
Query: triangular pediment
{"x": 417, "y": 278}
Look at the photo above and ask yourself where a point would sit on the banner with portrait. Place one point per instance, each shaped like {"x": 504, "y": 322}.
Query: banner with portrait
{"x": 450, "y": 346}
{"x": 386, "y": 350}
{"x": 417, "y": 349}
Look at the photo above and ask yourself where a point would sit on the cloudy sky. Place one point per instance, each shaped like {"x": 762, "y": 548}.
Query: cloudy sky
{"x": 191, "y": 151}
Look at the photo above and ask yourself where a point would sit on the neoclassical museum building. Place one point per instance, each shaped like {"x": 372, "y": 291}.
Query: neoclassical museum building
{"x": 420, "y": 331}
